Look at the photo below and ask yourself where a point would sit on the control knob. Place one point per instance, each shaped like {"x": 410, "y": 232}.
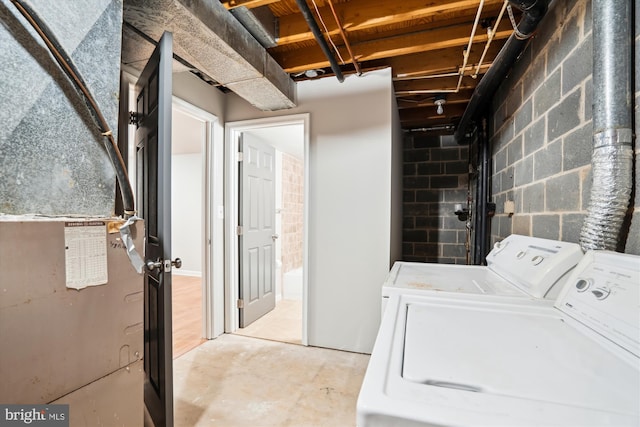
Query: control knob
{"x": 537, "y": 259}
{"x": 583, "y": 284}
{"x": 601, "y": 292}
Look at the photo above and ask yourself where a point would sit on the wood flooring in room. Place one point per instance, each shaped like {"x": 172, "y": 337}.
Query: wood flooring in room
{"x": 187, "y": 314}
{"x": 283, "y": 324}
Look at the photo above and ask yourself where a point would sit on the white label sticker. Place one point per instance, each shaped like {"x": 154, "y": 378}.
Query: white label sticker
{"x": 85, "y": 253}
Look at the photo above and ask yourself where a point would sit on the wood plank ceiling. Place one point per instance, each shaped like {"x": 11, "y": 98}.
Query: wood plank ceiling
{"x": 423, "y": 41}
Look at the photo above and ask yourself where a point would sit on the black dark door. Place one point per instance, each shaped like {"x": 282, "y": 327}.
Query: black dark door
{"x": 153, "y": 143}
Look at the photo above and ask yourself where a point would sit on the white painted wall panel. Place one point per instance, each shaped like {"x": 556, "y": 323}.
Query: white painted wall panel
{"x": 186, "y": 212}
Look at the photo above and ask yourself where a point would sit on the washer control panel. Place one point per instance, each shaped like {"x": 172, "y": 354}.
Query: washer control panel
{"x": 603, "y": 292}
{"x": 533, "y": 264}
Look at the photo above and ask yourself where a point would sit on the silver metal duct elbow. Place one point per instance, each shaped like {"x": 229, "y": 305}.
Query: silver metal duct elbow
{"x": 611, "y": 166}
{"x": 612, "y": 159}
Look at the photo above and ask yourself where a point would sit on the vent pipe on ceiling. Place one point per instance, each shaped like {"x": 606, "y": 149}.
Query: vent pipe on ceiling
{"x": 313, "y": 26}
{"x": 533, "y": 12}
{"x": 612, "y": 158}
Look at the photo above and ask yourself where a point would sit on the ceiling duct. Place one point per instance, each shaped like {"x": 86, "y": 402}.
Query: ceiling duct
{"x": 208, "y": 37}
{"x": 260, "y": 22}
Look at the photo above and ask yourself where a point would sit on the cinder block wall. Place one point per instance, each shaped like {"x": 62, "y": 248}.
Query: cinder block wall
{"x": 542, "y": 132}
{"x": 436, "y": 177}
{"x": 52, "y": 158}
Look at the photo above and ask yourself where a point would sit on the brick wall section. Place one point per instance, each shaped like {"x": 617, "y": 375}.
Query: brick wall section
{"x": 435, "y": 178}
{"x": 292, "y": 212}
{"x": 542, "y": 132}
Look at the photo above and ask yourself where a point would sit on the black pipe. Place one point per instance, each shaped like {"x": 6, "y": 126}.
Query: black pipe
{"x": 66, "y": 64}
{"x": 483, "y": 167}
{"x": 313, "y": 25}
{"x": 484, "y": 171}
{"x": 533, "y": 12}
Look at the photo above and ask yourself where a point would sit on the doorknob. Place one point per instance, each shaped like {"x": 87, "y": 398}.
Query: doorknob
{"x": 152, "y": 265}
{"x": 274, "y": 236}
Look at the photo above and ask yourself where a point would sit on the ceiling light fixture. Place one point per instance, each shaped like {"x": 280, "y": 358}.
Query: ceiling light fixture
{"x": 440, "y": 100}
{"x": 310, "y": 74}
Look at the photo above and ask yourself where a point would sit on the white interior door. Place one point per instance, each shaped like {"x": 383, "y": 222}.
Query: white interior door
{"x": 257, "y": 231}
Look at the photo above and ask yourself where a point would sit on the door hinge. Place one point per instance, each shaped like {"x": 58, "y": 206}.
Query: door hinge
{"x": 239, "y": 230}
{"x": 240, "y": 303}
{"x": 240, "y": 156}
{"x": 134, "y": 118}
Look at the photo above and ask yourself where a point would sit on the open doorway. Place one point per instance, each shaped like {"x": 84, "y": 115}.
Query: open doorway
{"x": 289, "y": 138}
{"x": 191, "y": 241}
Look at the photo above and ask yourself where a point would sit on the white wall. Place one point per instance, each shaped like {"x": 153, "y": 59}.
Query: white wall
{"x": 190, "y": 88}
{"x": 186, "y": 212}
{"x": 350, "y": 169}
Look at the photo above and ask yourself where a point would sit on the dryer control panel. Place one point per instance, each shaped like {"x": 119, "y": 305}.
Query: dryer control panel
{"x": 603, "y": 292}
{"x": 533, "y": 264}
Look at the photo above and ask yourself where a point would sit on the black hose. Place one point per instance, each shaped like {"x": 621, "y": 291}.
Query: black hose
{"x": 313, "y": 25}
{"x": 533, "y": 12}
{"x": 69, "y": 68}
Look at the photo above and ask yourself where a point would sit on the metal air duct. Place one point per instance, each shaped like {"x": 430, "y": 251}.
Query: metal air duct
{"x": 208, "y": 37}
{"x": 612, "y": 158}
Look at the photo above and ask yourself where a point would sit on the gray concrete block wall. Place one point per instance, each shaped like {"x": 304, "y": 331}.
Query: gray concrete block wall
{"x": 52, "y": 156}
{"x": 542, "y": 132}
{"x": 436, "y": 177}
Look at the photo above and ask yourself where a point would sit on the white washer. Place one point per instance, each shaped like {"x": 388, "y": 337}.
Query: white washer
{"x": 457, "y": 360}
{"x": 518, "y": 266}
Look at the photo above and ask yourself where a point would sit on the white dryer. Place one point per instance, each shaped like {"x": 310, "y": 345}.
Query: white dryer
{"x": 518, "y": 266}
{"x": 451, "y": 360}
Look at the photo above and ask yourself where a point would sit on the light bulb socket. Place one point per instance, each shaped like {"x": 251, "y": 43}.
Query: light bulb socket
{"x": 439, "y": 101}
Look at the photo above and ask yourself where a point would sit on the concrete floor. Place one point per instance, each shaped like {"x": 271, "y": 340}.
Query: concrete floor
{"x": 236, "y": 381}
{"x": 283, "y": 323}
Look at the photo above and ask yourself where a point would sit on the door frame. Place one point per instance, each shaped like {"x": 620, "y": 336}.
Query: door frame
{"x": 212, "y": 245}
{"x": 232, "y": 132}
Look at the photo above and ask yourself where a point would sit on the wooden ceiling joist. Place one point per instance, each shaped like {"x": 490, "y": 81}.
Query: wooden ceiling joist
{"x": 438, "y": 61}
{"x": 444, "y": 84}
{"x": 358, "y": 15}
{"x": 430, "y": 113}
{"x": 250, "y": 4}
{"x": 429, "y": 40}
{"x": 418, "y": 101}
{"x": 422, "y": 41}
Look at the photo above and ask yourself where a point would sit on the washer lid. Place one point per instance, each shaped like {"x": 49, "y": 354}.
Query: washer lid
{"x": 471, "y": 279}
{"x": 525, "y": 352}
